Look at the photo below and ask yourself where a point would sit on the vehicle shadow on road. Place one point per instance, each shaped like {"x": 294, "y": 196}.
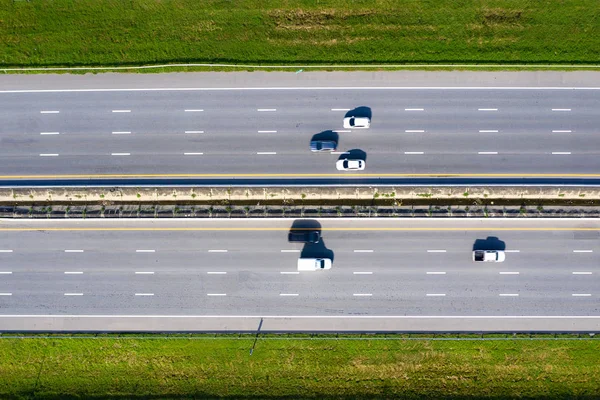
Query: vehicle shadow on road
{"x": 328, "y": 135}
{"x": 489, "y": 243}
{"x": 362, "y": 111}
{"x": 354, "y": 154}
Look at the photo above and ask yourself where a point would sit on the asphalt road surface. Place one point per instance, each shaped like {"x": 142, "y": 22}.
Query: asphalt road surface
{"x": 264, "y": 132}
{"x": 384, "y": 268}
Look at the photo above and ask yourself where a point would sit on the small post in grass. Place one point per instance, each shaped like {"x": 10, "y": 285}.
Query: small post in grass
{"x": 256, "y": 337}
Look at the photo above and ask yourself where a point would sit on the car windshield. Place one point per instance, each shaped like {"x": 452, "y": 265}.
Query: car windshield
{"x": 346, "y": 164}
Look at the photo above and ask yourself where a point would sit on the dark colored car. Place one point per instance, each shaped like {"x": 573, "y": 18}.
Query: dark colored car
{"x": 322, "y": 145}
{"x": 304, "y": 236}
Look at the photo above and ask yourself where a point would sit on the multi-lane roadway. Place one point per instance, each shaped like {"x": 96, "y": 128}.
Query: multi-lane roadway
{"x": 224, "y": 273}
{"x": 264, "y": 132}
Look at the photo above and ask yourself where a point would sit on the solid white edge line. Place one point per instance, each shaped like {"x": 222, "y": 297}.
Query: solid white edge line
{"x": 193, "y": 131}
{"x": 561, "y": 152}
{"x": 49, "y": 133}
{"x": 508, "y": 294}
{"x": 436, "y": 251}
{"x": 435, "y": 294}
{"x": 508, "y": 273}
{"x": 289, "y": 272}
{"x": 193, "y": 154}
{"x": 216, "y": 273}
{"x": 583, "y": 251}
{"x": 144, "y": 294}
{"x": 49, "y": 112}
{"x": 288, "y": 294}
{"x": 216, "y": 294}
{"x": 581, "y": 294}
{"x": 144, "y": 272}
{"x": 290, "y": 251}
{"x": 73, "y": 272}
{"x": 363, "y": 273}
{"x": 145, "y": 251}
{"x": 561, "y": 131}
{"x": 73, "y": 294}
{"x": 217, "y": 251}
{"x": 49, "y": 155}
{"x": 121, "y": 111}
{"x": 363, "y": 251}
{"x": 436, "y": 273}
{"x": 191, "y": 110}
{"x": 121, "y": 132}
{"x": 502, "y": 317}
{"x": 582, "y": 273}
{"x": 487, "y": 152}
{"x": 362, "y": 294}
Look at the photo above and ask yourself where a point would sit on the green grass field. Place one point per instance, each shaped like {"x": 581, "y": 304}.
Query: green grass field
{"x": 132, "y": 32}
{"x": 309, "y": 369}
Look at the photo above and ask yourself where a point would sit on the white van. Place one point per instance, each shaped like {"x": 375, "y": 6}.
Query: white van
{"x": 313, "y": 264}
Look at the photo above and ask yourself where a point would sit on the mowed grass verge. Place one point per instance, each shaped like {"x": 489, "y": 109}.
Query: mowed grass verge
{"x": 120, "y": 33}
{"x": 292, "y": 368}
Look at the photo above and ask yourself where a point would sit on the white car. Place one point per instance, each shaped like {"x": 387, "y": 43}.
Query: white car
{"x": 488, "y": 256}
{"x": 350, "y": 165}
{"x": 313, "y": 264}
{"x": 357, "y": 122}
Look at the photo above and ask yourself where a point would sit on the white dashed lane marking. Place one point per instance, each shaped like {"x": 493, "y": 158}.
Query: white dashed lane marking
{"x": 561, "y": 109}
{"x": 362, "y": 294}
{"x": 216, "y": 273}
{"x": 217, "y": 251}
{"x": 561, "y": 131}
{"x": 288, "y": 294}
{"x": 49, "y": 133}
{"x": 414, "y": 152}
{"x": 583, "y": 251}
{"x": 436, "y": 273}
{"x": 73, "y": 294}
{"x": 488, "y": 153}
{"x": 290, "y": 251}
{"x": 5, "y": 272}
{"x": 6, "y": 251}
{"x": 488, "y": 131}
{"x": 267, "y": 131}
{"x": 73, "y": 251}
{"x": 436, "y": 251}
{"x": 121, "y": 133}
{"x": 144, "y": 294}
{"x": 363, "y": 251}
{"x": 508, "y": 273}
{"x": 49, "y": 155}
{"x": 362, "y": 273}
{"x": 435, "y": 294}
{"x": 509, "y": 295}
{"x": 582, "y": 273}
{"x": 144, "y": 272}
{"x": 5, "y": 294}
{"x": 121, "y": 111}
{"x": 561, "y": 152}
{"x": 49, "y": 112}
{"x": 266, "y": 152}
{"x": 193, "y": 154}
{"x": 194, "y": 131}
{"x": 266, "y": 109}
{"x": 289, "y": 272}
{"x": 145, "y": 251}
{"x": 191, "y": 110}
{"x": 414, "y": 109}
{"x": 73, "y": 272}
{"x": 120, "y": 154}
{"x": 216, "y": 294}
{"x": 487, "y": 109}
{"x": 340, "y": 109}
{"x": 414, "y": 131}
{"x": 581, "y": 294}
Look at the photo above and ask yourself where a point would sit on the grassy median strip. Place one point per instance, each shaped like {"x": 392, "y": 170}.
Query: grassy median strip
{"x": 115, "y": 32}
{"x": 293, "y": 368}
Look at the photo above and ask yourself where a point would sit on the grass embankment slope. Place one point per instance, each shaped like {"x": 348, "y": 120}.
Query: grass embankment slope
{"x": 115, "y": 32}
{"x": 315, "y": 369}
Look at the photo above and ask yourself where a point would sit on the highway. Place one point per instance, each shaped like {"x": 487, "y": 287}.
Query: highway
{"x": 263, "y": 132}
{"x": 383, "y": 268}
